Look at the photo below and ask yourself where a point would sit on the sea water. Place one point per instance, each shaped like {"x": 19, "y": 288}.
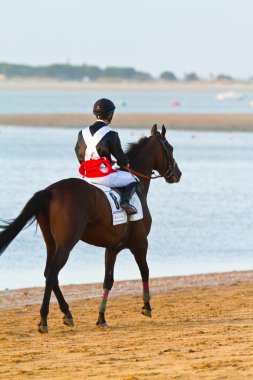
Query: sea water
{"x": 202, "y": 224}
{"x": 16, "y": 102}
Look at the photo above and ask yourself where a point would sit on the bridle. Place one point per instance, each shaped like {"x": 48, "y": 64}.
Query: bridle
{"x": 168, "y": 171}
{"x": 170, "y": 163}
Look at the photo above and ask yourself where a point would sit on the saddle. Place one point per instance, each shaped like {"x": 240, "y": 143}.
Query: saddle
{"x": 114, "y": 196}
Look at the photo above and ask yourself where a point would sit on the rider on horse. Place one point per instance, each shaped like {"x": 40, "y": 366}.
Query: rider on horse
{"x": 94, "y": 147}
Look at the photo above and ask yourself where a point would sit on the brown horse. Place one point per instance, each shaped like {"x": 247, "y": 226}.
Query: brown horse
{"x": 71, "y": 210}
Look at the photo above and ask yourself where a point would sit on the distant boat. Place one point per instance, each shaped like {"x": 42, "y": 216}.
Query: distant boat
{"x": 175, "y": 103}
{"x": 230, "y": 95}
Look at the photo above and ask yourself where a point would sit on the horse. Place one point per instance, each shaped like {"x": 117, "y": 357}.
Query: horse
{"x": 72, "y": 209}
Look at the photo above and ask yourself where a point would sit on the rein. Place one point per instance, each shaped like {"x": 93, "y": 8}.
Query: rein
{"x": 140, "y": 174}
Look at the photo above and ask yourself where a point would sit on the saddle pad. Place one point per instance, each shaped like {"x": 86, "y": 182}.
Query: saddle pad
{"x": 119, "y": 216}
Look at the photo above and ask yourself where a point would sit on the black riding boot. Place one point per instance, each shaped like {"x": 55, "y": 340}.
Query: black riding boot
{"x": 126, "y": 196}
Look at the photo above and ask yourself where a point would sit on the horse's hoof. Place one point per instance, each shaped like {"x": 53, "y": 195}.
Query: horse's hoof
{"x": 68, "y": 321}
{"x": 42, "y": 329}
{"x": 101, "y": 322}
{"x": 102, "y": 325}
{"x": 147, "y": 313}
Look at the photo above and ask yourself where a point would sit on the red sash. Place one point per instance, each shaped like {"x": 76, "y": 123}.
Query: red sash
{"x": 96, "y": 168}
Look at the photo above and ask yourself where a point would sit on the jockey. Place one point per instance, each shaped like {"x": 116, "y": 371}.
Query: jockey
{"x": 94, "y": 147}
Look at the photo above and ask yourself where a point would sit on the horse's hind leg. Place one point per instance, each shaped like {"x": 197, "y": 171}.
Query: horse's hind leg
{"x": 51, "y": 248}
{"x": 59, "y": 260}
{"x": 110, "y": 258}
{"x": 140, "y": 254}
{"x": 67, "y": 319}
{"x": 64, "y": 307}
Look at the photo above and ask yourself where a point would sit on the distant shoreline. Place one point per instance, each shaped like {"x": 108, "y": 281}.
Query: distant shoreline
{"x": 124, "y": 85}
{"x": 198, "y": 122}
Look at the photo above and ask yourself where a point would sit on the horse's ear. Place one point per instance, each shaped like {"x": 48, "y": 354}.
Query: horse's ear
{"x": 154, "y": 129}
{"x": 163, "y": 131}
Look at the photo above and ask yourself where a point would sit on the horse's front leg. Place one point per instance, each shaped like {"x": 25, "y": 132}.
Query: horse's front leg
{"x": 140, "y": 255}
{"x": 110, "y": 258}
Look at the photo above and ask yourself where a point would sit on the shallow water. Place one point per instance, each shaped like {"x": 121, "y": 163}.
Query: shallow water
{"x": 203, "y": 224}
{"x": 125, "y": 101}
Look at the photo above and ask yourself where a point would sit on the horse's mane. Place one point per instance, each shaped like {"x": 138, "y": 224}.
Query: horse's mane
{"x": 133, "y": 149}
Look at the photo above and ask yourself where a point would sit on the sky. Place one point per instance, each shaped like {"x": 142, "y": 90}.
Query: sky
{"x": 182, "y": 36}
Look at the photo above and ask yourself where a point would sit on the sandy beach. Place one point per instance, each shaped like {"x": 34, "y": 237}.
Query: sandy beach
{"x": 201, "y": 329}
{"x": 47, "y": 84}
{"x": 197, "y": 122}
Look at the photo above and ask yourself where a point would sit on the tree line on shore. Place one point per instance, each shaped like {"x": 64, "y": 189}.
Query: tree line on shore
{"x": 91, "y": 73}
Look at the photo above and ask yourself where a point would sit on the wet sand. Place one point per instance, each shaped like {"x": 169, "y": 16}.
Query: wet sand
{"x": 202, "y": 328}
{"x": 198, "y": 122}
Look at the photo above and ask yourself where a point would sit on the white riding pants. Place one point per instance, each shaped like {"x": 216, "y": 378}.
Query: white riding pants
{"x": 118, "y": 179}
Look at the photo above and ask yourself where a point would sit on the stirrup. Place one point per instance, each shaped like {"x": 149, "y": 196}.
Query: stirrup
{"x": 130, "y": 209}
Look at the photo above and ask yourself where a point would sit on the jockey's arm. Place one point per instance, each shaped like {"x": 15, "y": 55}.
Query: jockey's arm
{"x": 80, "y": 147}
{"x": 117, "y": 151}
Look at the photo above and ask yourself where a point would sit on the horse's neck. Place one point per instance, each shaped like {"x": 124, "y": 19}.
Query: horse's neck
{"x": 145, "y": 184}
{"x": 144, "y": 164}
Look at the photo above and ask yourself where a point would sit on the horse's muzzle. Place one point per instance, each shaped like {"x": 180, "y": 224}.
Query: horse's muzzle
{"x": 176, "y": 179}
{"x": 175, "y": 176}
{"x": 173, "y": 179}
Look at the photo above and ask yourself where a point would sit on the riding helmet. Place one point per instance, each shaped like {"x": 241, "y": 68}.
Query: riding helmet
{"x": 103, "y": 107}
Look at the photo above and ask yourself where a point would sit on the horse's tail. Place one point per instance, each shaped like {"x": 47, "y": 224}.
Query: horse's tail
{"x": 28, "y": 214}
